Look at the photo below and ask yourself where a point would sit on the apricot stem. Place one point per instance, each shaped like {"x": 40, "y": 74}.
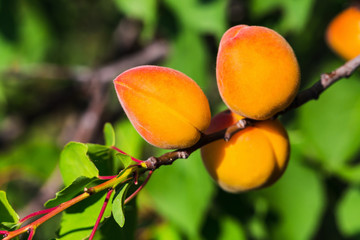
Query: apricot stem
{"x": 120, "y": 151}
{"x": 112, "y": 183}
{"x": 46, "y": 217}
{"x": 106, "y": 201}
{"x": 106, "y": 177}
{"x": 128, "y": 199}
{"x": 241, "y": 124}
{"x": 36, "y": 214}
{"x": 31, "y": 234}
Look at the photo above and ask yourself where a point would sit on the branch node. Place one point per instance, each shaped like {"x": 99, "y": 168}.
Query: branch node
{"x": 90, "y": 191}
{"x": 151, "y": 163}
{"x": 326, "y": 78}
{"x": 240, "y": 125}
{"x": 183, "y": 154}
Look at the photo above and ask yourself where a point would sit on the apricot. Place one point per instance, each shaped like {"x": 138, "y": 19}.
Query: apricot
{"x": 253, "y": 158}
{"x": 166, "y": 107}
{"x": 343, "y": 33}
{"x": 257, "y": 71}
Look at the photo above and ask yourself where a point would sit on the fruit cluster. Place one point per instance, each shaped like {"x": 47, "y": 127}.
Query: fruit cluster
{"x": 257, "y": 76}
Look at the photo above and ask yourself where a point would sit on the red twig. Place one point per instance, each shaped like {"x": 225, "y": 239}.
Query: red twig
{"x": 3, "y": 232}
{"x": 31, "y": 234}
{"x": 128, "y": 199}
{"x": 36, "y": 214}
{"x": 132, "y": 158}
{"x": 106, "y": 177}
{"x": 106, "y": 185}
{"x": 108, "y": 195}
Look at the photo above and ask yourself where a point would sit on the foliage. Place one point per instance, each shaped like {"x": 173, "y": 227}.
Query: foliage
{"x": 45, "y": 45}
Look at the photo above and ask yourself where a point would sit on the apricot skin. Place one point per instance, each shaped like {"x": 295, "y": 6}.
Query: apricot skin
{"x": 257, "y": 71}
{"x": 343, "y": 33}
{"x": 166, "y": 107}
{"x": 253, "y": 158}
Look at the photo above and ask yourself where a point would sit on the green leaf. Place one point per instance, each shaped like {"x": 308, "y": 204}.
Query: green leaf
{"x": 34, "y": 33}
{"x": 109, "y": 135}
{"x": 196, "y": 20}
{"x": 7, "y": 213}
{"x": 200, "y": 18}
{"x": 348, "y": 212}
{"x": 128, "y": 139}
{"x": 297, "y": 199}
{"x": 294, "y": 14}
{"x": 74, "y": 163}
{"x": 2, "y": 99}
{"x": 107, "y": 160}
{"x": 124, "y": 160}
{"x": 145, "y": 10}
{"x": 70, "y": 191}
{"x": 165, "y": 231}
{"x": 37, "y": 155}
{"x": 9, "y": 226}
{"x": 349, "y": 173}
{"x": 231, "y": 229}
{"x": 179, "y": 57}
{"x": 103, "y": 157}
{"x": 182, "y": 193}
{"x": 111, "y": 229}
{"x": 118, "y": 205}
{"x": 77, "y": 222}
{"x": 32, "y": 37}
{"x": 330, "y": 125}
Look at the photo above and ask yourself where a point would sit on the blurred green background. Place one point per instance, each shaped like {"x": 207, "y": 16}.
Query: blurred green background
{"x": 57, "y": 62}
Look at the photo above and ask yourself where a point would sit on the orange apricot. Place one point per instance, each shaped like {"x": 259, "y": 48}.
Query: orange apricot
{"x": 257, "y": 71}
{"x": 343, "y": 33}
{"x": 253, "y": 158}
{"x": 166, "y": 107}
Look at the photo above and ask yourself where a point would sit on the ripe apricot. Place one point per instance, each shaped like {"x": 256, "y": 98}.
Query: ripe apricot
{"x": 166, "y": 107}
{"x": 343, "y": 33}
{"x": 253, "y": 158}
{"x": 257, "y": 71}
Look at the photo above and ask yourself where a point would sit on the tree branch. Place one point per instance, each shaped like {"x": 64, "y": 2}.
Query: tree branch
{"x": 326, "y": 80}
{"x": 153, "y": 52}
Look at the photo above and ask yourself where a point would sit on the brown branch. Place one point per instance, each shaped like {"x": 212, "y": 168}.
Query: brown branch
{"x": 326, "y": 80}
{"x": 168, "y": 158}
{"x": 240, "y": 125}
{"x": 151, "y": 53}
